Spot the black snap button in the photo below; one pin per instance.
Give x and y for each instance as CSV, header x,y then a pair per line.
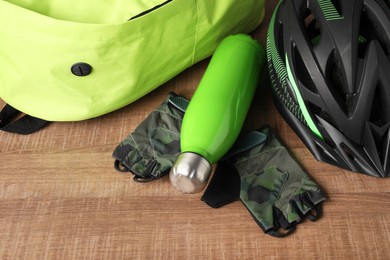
x,y
81,69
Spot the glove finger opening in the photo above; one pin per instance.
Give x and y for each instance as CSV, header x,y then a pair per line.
x,y
143,170
308,205
281,232
120,167
280,220
141,179
316,209
282,227
315,213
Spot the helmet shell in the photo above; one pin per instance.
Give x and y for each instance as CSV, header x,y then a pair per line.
x,y
329,64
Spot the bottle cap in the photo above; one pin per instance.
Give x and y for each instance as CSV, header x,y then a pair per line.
x,y
190,172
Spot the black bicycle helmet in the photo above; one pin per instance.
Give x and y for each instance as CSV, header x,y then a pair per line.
x,y
329,63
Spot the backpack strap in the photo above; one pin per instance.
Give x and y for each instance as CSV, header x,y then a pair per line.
x,y
24,125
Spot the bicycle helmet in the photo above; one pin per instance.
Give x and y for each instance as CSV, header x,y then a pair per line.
x,y
329,63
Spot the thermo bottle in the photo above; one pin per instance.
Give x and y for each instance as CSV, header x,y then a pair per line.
x,y
217,110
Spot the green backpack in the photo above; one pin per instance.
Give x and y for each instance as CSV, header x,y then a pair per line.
x,y
73,60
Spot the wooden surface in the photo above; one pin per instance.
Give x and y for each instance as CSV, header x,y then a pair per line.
x,y
60,197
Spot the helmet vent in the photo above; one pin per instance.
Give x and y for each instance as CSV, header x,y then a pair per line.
x,y
371,29
347,151
326,156
364,36
280,41
387,2
377,143
380,108
302,73
335,80
312,28
362,47
316,110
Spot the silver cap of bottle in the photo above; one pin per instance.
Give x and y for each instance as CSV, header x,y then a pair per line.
x,y
190,173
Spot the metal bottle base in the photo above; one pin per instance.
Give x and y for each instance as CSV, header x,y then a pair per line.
x,y
190,173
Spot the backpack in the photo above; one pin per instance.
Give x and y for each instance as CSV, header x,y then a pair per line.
x,y
74,60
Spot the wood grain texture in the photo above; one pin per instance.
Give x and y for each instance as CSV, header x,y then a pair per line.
x,y
60,197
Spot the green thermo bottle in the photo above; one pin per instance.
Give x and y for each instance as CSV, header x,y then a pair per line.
x,y
217,110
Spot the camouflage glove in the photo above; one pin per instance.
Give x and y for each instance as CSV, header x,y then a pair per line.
x,y
153,147
273,187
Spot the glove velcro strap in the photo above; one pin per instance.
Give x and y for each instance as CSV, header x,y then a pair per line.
x,y
224,186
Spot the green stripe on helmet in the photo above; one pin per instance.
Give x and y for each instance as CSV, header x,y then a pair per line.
x,y
301,102
278,73
329,10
